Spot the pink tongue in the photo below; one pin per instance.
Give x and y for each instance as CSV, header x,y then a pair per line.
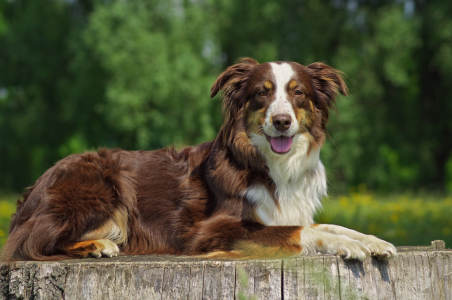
x,y
281,144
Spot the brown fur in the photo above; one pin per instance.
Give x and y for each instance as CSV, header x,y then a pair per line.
x,y
168,202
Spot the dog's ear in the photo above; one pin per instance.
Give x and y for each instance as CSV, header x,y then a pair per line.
x,y
233,78
327,83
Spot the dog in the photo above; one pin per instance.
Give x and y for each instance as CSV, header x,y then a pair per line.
x,y
250,193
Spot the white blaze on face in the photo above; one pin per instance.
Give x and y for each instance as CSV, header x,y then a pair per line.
x,y
282,74
281,142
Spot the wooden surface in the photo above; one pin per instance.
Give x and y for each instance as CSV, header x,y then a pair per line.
x,y
418,273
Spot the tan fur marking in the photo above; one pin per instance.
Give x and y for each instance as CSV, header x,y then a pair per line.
x,y
95,248
86,244
254,250
319,243
268,85
295,237
325,228
250,250
83,249
302,118
293,84
241,140
224,254
255,120
312,114
114,229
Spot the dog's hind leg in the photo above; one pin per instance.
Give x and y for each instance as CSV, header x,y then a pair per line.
x,y
103,241
95,248
82,198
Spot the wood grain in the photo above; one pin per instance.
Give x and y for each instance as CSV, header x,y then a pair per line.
x,y
415,274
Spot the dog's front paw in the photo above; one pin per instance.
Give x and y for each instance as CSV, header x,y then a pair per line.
x,y
379,248
346,247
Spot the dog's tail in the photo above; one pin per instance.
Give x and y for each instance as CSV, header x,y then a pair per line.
x,y
30,242
30,235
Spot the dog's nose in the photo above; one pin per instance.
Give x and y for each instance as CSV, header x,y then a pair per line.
x,y
282,122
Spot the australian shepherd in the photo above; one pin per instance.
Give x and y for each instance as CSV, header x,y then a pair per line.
x,y
252,192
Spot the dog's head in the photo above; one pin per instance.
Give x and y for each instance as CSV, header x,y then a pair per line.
x,y
276,103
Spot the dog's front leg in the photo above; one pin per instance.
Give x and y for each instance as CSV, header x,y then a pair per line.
x,y
378,247
316,241
226,236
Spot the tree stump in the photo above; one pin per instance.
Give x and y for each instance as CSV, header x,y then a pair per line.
x,y
417,273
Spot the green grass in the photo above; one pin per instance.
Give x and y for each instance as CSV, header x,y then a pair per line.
x,y
7,208
403,220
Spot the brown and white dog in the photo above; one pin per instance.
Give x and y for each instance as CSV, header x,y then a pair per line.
x,y
252,192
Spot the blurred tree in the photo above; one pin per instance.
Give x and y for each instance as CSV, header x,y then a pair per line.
x,y
159,71
382,74
136,74
33,60
304,31
78,75
398,70
435,97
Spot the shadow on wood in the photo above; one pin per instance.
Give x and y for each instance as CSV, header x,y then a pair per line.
x,y
418,273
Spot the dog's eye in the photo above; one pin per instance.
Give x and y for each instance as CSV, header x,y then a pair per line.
x,y
262,93
298,93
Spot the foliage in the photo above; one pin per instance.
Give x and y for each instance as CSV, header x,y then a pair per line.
x,y
7,208
159,79
404,220
77,75
99,77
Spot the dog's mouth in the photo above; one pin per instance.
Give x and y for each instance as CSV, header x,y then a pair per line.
x,y
280,144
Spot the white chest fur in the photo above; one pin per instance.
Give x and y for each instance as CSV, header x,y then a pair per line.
x,y
300,184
